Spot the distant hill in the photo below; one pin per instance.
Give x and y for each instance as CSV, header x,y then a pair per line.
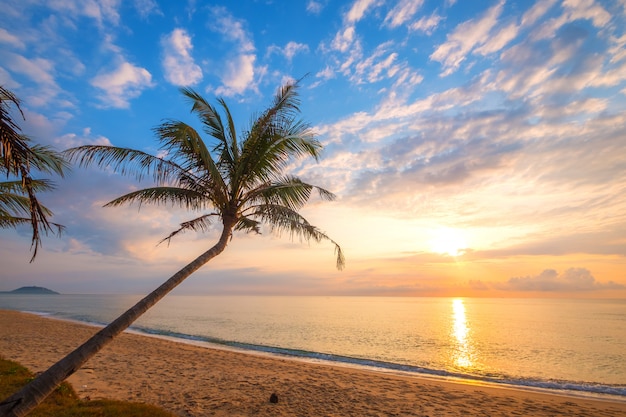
x,y
31,290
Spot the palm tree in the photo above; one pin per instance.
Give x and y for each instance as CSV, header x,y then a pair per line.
x,y
18,159
239,182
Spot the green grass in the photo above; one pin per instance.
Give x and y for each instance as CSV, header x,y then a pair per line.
x,y
64,402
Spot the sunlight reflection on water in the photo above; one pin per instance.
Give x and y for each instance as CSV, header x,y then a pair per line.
x,y
461,332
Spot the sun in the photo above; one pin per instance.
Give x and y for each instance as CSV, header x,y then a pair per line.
x,y
447,241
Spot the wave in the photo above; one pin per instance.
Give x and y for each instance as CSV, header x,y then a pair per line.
x,y
616,392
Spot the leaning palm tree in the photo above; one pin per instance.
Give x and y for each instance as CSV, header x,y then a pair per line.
x,y
238,183
18,160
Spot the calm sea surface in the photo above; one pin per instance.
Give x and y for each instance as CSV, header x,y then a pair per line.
x,y
573,345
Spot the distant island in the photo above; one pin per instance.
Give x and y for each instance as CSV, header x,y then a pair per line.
x,y
30,290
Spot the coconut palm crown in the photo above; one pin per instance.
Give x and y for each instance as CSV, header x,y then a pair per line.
x,y
19,160
239,182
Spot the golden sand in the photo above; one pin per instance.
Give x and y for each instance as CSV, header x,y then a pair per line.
x,y
199,381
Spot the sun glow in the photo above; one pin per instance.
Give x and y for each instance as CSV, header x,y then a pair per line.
x,y
451,242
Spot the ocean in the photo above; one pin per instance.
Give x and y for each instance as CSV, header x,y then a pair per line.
x,y
570,346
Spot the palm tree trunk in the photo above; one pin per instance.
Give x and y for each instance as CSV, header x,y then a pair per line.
x,y
23,401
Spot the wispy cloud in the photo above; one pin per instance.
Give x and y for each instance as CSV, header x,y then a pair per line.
x,y
118,86
426,24
402,12
238,72
315,7
290,50
10,39
146,8
359,9
102,12
466,37
179,65
573,279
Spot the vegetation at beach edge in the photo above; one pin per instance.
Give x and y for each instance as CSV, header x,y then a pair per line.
x,y
64,402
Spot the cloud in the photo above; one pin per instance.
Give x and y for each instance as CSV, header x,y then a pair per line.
x,y
467,36
381,64
232,29
180,68
39,70
402,12
121,84
315,7
573,279
359,9
102,12
10,39
426,24
499,40
238,75
290,50
573,10
69,140
344,39
238,72
540,8
325,74
145,8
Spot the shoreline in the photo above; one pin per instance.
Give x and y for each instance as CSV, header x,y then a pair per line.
x,y
546,387
195,379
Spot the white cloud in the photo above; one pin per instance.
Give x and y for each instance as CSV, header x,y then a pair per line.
x,y
402,12
315,7
146,8
359,9
179,66
37,69
426,24
290,50
466,37
103,11
122,84
573,279
586,9
238,75
499,40
540,8
10,39
343,40
70,140
232,29
573,10
376,67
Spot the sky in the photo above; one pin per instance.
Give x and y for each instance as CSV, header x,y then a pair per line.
x,y
476,148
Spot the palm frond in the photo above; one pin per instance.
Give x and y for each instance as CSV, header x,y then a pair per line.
x,y
14,205
289,191
38,185
184,145
125,161
47,160
174,196
283,219
13,145
246,224
199,224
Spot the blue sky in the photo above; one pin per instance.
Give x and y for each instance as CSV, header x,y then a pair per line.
x,y
476,148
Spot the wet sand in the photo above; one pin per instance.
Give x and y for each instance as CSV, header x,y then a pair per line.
x,y
193,380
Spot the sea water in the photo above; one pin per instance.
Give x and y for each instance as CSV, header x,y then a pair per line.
x,y
578,346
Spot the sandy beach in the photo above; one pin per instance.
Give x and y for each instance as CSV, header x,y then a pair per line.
x,y
198,381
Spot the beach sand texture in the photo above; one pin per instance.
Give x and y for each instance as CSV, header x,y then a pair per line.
x,y
197,381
